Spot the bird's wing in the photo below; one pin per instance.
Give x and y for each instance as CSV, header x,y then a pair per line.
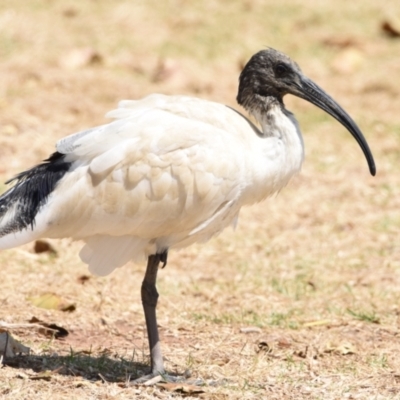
x,y
158,167
154,175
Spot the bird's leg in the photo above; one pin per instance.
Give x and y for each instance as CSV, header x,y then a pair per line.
x,y
149,301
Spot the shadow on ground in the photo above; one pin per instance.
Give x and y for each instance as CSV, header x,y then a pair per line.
x,y
91,367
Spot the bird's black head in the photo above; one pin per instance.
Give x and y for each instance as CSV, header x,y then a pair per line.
x,y
269,75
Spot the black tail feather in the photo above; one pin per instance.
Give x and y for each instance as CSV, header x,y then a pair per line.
x,y
30,193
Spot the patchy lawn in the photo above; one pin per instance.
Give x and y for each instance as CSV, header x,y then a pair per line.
x,y
302,300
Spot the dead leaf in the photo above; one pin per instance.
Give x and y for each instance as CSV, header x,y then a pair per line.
x,y
250,329
284,343
222,361
68,308
343,348
78,58
181,388
346,348
302,353
312,285
10,347
50,329
45,376
83,279
391,28
51,301
41,246
317,323
81,383
61,332
262,345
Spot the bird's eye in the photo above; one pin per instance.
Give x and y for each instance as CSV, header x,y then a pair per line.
x,y
281,69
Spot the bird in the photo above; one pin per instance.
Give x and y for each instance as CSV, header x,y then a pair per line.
x,y
167,172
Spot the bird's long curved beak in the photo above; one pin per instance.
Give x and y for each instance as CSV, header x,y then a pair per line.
x,y
311,92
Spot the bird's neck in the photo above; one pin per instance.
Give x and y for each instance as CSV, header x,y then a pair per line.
x,y
279,154
265,110
276,121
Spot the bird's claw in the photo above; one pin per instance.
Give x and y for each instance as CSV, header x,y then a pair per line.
x,y
155,377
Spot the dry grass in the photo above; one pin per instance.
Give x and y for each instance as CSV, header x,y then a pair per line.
x,y
302,300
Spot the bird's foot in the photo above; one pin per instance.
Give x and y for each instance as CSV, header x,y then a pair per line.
x,y
156,377
149,379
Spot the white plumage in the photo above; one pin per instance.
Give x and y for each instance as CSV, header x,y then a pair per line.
x,y
167,172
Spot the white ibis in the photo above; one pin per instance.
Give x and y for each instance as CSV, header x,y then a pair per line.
x,y
168,172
